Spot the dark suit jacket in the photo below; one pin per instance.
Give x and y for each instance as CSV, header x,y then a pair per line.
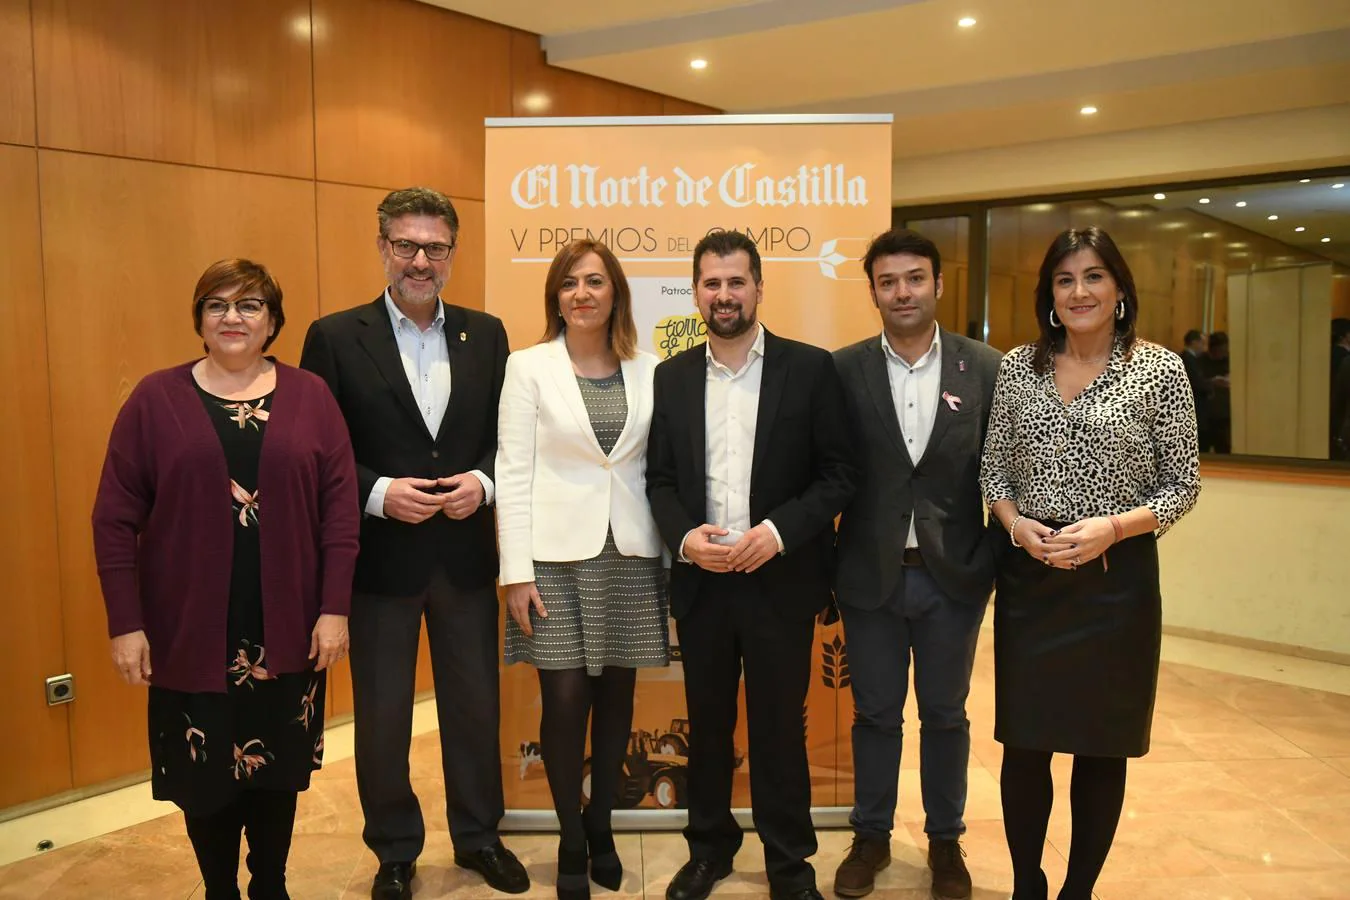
x,y
801,475
942,492
1200,387
356,353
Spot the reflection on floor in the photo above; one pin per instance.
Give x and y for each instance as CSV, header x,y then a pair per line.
x,y
1246,796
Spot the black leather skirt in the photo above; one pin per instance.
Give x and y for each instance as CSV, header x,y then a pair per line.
x,y
1076,651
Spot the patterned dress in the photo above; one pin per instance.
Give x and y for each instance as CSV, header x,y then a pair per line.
x,y
610,610
266,730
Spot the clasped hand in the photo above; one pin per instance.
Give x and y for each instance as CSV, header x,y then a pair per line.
x,y
1068,547
754,548
414,500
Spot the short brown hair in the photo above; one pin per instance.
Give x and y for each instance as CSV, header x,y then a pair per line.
x,y
245,277
622,330
417,201
722,243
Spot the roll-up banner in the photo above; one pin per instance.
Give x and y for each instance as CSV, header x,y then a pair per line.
x,y
811,191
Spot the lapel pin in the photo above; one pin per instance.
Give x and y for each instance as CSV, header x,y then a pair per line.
x,y
960,365
463,336
953,401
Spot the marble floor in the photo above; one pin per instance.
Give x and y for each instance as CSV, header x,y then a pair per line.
x,y
1246,796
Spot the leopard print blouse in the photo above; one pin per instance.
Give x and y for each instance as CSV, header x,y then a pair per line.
x,y
1128,440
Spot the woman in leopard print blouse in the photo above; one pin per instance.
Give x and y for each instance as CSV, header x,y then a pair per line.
x,y
1091,454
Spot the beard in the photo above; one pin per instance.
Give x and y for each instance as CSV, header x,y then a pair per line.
x,y
729,329
417,292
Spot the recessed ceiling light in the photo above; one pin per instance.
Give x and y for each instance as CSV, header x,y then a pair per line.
x,y
1304,180
966,22
1300,228
1210,234
1237,245
1240,203
1089,110
536,101
698,64
1326,240
1338,185
1159,196
1272,218
1204,199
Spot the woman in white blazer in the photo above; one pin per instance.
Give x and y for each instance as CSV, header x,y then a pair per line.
x,y
580,553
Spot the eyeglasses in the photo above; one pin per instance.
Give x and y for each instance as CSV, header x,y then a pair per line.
x,y
408,249
216,308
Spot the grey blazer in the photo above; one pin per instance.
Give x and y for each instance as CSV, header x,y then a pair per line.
x,y
941,492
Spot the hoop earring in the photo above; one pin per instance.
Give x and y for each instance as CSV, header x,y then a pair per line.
x,y
1054,322
1120,311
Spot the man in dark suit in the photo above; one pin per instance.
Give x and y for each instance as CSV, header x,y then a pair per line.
x,y
916,558
1193,358
418,382
748,463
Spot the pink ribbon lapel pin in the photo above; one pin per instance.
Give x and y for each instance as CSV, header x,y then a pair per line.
x,y
960,365
953,401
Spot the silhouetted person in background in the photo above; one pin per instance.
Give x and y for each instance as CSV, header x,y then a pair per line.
x,y
1216,428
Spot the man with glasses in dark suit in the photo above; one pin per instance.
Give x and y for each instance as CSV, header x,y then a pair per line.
x,y
418,381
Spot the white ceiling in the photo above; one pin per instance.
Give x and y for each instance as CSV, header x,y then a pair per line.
x,y
1019,75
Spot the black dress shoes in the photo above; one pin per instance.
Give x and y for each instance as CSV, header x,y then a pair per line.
x,y
393,881
696,879
799,894
498,866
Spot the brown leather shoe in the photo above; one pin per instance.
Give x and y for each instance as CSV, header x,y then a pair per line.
x,y
951,879
856,875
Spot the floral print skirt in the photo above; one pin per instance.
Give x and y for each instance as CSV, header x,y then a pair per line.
x,y
265,732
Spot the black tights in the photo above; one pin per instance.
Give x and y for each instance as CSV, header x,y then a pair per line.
x,y
267,819
1096,795
569,697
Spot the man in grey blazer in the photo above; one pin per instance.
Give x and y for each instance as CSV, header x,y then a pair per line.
x,y
915,556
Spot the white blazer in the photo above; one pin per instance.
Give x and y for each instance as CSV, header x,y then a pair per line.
x,y
557,493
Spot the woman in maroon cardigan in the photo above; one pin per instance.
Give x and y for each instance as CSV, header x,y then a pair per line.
x,y
225,530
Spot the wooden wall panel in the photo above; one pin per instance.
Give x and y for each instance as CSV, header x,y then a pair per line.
x,y
16,73
538,89
128,259
193,81
35,759
673,106
401,90
350,272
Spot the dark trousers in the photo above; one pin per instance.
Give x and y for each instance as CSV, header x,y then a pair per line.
x,y
731,626
462,628
266,819
941,634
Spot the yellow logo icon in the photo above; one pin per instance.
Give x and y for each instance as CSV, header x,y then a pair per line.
x,y
674,334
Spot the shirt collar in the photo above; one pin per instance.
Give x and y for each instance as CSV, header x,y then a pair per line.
x,y
397,318
756,352
932,356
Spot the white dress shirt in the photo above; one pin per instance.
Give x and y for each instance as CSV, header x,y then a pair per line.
x,y
426,362
916,391
731,410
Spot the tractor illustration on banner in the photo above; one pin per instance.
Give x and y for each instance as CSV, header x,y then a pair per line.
x,y
654,766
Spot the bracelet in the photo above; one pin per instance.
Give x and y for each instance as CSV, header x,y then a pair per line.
x,y
1012,531
1118,529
